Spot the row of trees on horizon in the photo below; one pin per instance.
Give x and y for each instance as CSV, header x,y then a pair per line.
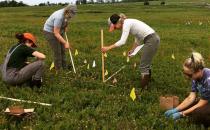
x,y
13,3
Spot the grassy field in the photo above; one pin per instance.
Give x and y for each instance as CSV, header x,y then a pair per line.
x,y
82,101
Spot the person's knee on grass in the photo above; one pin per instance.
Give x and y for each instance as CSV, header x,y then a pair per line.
x,y
16,70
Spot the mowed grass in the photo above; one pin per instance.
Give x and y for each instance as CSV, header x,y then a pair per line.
x,y
82,101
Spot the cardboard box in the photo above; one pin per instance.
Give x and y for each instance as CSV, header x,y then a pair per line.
x,y
168,102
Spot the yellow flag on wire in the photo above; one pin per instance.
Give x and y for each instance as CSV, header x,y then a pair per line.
x,y
105,55
133,94
106,73
88,66
76,52
128,59
52,65
173,57
124,53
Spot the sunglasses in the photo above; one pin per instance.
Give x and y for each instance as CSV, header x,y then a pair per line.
x,y
188,75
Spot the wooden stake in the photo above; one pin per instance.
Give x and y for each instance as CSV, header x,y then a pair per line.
x,y
102,57
72,62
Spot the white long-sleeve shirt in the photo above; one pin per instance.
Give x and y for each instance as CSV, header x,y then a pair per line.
x,y
135,27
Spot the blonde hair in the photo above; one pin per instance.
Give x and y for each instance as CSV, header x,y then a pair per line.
x,y
122,17
195,62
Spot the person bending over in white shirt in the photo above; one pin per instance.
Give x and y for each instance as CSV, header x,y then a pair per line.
x,y
141,32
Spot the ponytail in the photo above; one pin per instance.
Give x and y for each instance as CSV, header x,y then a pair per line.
x,y
122,17
195,62
20,37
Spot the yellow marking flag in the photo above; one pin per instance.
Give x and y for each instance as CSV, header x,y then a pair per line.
x,y
52,65
124,53
85,61
76,52
88,66
134,65
106,73
173,57
128,59
105,55
133,94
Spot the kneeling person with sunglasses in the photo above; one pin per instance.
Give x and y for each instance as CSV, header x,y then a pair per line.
x,y
197,110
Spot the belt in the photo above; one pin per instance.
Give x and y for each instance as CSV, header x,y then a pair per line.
x,y
149,36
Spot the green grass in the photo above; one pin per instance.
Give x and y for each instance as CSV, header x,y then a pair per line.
x,y
82,101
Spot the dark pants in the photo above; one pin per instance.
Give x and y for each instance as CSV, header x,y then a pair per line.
x,y
200,116
34,71
58,50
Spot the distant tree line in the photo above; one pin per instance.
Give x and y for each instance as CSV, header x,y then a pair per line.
x,y
52,4
95,1
111,1
11,3
136,0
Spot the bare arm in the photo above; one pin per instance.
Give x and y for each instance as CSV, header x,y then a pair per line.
x,y
187,102
133,48
107,48
59,37
125,33
135,45
117,44
199,104
39,55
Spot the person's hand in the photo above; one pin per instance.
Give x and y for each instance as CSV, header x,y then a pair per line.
x,y
66,45
177,115
104,49
130,52
170,112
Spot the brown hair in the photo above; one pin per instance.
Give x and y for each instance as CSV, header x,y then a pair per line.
x,y
20,38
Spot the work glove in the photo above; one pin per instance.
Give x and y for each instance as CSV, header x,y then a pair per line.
x,y
170,112
177,115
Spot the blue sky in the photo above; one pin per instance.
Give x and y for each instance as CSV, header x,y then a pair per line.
x,y
35,2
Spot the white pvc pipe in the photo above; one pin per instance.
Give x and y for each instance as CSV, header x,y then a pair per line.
x,y
72,61
27,101
115,73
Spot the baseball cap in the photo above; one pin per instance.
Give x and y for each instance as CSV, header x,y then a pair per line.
x,y
31,37
72,9
112,21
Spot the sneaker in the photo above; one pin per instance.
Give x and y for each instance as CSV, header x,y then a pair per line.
x,y
37,83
